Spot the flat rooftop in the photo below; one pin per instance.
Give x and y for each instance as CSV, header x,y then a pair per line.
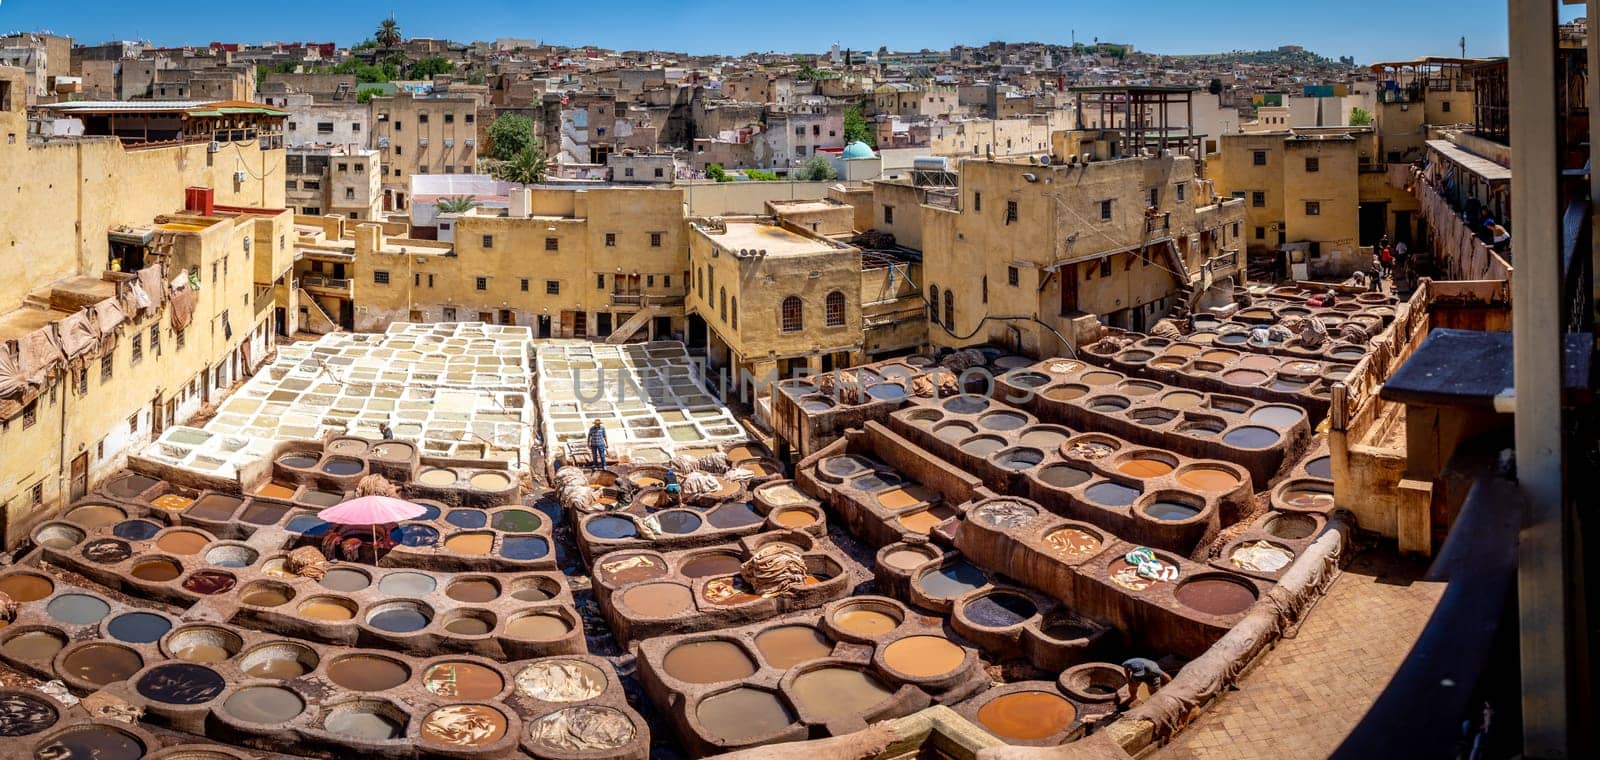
x,y
774,240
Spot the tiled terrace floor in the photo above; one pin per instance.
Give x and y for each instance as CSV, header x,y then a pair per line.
x,y
1308,692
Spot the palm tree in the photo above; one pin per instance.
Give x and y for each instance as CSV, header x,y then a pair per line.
x,y
388,34
457,204
527,167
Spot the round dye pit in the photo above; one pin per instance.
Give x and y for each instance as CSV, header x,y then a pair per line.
x,y
330,609
1063,475
924,656
1306,497
95,741
136,530
537,627
1215,595
101,664
343,466
867,620
561,681
712,661
416,535
1027,715
309,525
464,726
1028,379
469,544
1066,625
952,581
1245,377
794,518
266,594
951,432
925,520
232,555
1003,514
281,660
1020,458
107,551
1279,417
399,617
26,587
1044,438
845,466
1073,543
788,645
907,559
180,683
366,721
95,516
1100,377
182,542
1002,421
404,584
58,535
1108,404
622,569
209,582
298,461
437,477
1321,467
734,515
678,521
611,527
472,590
534,589
204,644
1202,478
1146,467
515,521
40,646
77,609
470,622
264,705
1111,494
966,404
23,715
490,481
743,714
887,391
463,680
1182,400
999,610
982,446
1067,392
585,728
1251,437
317,498
138,627
1167,510
1139,388
467,518
1291,526
368,673
710,564
829,693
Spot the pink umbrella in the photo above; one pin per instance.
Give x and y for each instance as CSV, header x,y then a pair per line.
x,y
374,511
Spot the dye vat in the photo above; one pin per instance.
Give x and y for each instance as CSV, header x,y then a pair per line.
x,y
136,530
471,623
1072,544
611,527
1066,392
966,404
659,600
1251,437
1215,595
999,610
298,461
463,680
712,661
180,683
734,515
924,521
266,594
466,518
561,681
537,627
101,664
1321,467
171,502
138,627
95,516
107,551
366,721
1291,526
515,521
788,645
952,581
464,726
264,705
327,609
582,729
1027,715
58,535
1307,498
156,570
343,467
274,490
1063,475
794,518
399,617
416,535
490,481
866,621
263,513
318,498
1111,494
23,715
1182,400
1167,510
622,569
1019,458
473,590
91,742
829,693
743,714
204,644
279,661
1278,417
437,477
677,521
982,446
1002,421
130,485
906,496
77,609
924,656
470,544
209,582
1145,467
367,673
710,564
405,584
182,542
1003,514
34,646
26,587
906,559
1214,479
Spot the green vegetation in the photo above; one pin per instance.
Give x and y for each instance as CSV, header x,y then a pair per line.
x,y
855,126
716,172
475,77
818,169
760,175
277,68
370,73
388,34
365,94
367,44
1215,87
1360,117
457,204
806,73
509,135
428,68
527,167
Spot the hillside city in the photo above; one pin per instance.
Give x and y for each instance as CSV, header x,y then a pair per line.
x,y
1083,401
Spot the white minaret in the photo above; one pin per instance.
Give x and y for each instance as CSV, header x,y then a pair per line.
x,y
836,54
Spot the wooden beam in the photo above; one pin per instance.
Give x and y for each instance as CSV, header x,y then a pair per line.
x,y
1537,354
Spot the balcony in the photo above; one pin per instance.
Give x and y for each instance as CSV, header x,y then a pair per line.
x,y
336,286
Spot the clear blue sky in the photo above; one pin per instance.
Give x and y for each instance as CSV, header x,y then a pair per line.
x,y
1367,29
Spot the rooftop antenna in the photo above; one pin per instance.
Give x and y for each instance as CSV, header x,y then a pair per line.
x,y
1463,44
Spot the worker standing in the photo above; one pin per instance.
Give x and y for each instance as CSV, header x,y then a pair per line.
x,y
1141,670
597,444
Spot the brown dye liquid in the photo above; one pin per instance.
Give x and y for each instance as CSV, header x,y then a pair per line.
x,y
898,498
790,645
1308,499
794,518
1027,715
26,587
95,516
341,579
743,714
470,544
275,491
1100,378
171,502
532,593
215,507
622,569
829,693
363,673
924,656
265,597
326,609
659,600
474,591
489,481
182,542
1182,400
464,726
281,668
101,664
926,520
707,565
463,680
33,645
864,622
1208,479
1144,468
711,661
1215,596
468,626
266,705
538,628
156,570
203,653
906,559
437,477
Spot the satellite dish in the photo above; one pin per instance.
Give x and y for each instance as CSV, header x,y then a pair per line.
x,y
1044,160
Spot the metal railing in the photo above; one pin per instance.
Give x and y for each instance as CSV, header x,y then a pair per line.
x,y
328,283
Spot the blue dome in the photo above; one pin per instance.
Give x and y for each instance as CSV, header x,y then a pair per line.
x,y
857,149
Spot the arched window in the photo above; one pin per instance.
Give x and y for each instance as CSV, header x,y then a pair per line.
x,y
722,296
933,304
949,309
793,317
735,318
835,309
711,280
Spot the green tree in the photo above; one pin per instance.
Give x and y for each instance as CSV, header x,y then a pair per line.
x,y
806,73
370,73
716,172
855,126
760,175
1215,88
430,67
509,135
527,167
388,33
456,204
1360,117
818,169
475,77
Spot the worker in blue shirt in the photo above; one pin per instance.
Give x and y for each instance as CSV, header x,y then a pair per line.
x,y
1141,670
597,444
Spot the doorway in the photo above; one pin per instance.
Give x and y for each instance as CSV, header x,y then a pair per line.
x,y
158,418
80,477
662,330
1372,218
544,325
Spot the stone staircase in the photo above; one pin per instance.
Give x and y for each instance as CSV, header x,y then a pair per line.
x,y
631,327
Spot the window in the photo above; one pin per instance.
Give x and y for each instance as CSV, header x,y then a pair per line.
x,y
655,240
83,377
37,494
649,280
1313,208
469,118
355,126
1011,211
449,314
449,118
1258,198
155,339
722,303
488,241
133,423
888,214
416,280
834,311
177,339
30,414
138,348
1179,190
1261,233
1313,163
380,277
422,118
600,281
1259,158
984,288
611,240
949,309
324,127
800,131
933,304
793,318
344,167
552,288
977,201
1105,211
552,244
666,280
700,282
1445,106
1155,196
733,318
524,285
1236,230
1105,267
227,326
481,283
659,172
1012,276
